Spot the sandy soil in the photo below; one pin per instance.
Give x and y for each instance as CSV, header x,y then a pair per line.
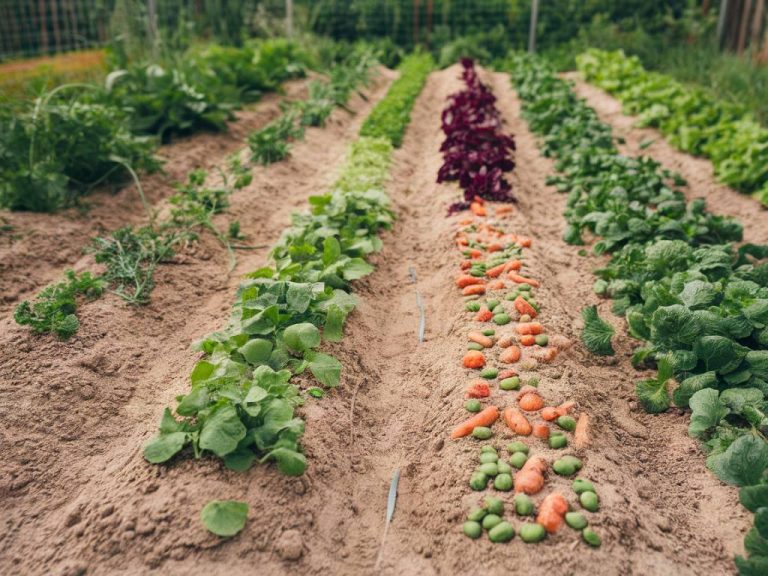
x,y
37,246
77,498
76,493
699,173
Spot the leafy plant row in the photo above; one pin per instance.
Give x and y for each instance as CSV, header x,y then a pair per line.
x,y
476,152
699,302
693,119
131,255
79,136
241,407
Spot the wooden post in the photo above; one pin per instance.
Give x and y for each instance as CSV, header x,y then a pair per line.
x,y
43,21
742,41
152,25
757,26
532,30
430,8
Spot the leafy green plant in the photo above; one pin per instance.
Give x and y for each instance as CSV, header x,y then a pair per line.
x,y
597,333
272,143
692,119
53,310
60,148
131,257
241,406
224,517
699,304
386,120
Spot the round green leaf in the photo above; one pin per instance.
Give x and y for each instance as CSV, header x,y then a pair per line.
x,y
224,517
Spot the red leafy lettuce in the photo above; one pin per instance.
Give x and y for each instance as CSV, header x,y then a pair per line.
x,y
476,152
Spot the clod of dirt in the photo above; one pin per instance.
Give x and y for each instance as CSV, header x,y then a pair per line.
x,y
290,545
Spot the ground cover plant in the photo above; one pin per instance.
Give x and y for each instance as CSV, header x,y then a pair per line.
x,y
691,118
242,403
695,299
476,152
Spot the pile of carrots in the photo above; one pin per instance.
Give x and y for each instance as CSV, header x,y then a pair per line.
x,y
499,292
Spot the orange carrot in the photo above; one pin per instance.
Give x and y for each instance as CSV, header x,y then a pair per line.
x,y
508,373
541,431
462,241
549,413
485,418
496,271
510,355
522,306
581,437
547,355
530,328
527,339
484,315
465,221
565,408
496,285
466,264
525,242
516,422
494,247
523,280
503,210
530,479
552,512
474,359
466,280
513,265
481,339
530,402
505,341
473,289
475,254
478,389
478,209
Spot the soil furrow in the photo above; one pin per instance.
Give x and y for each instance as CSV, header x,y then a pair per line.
x,y
77,495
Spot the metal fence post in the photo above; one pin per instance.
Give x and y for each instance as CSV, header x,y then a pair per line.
x,y
532,31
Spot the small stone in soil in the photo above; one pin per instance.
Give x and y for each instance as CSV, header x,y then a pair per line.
x,y
290,545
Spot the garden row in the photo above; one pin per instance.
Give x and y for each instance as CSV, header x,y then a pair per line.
x,y
79,136
241,406
506,341
130,255
698,302
692,119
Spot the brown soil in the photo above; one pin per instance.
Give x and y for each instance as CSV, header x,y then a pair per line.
x,y
78,498
37,246
699,173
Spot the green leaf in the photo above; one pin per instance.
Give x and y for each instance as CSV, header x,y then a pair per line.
x,y
653,394
222,431
302,337
256,351
240,460
743,463
331,251
698,294
299,297
755,544
289,462
193,402
224,517
263,322
754,497
761,521
737,398
325,368
752,566
691,385
163,447
168,423
597,333
201,372
356,268
719,353
333,331
707,412
758,363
